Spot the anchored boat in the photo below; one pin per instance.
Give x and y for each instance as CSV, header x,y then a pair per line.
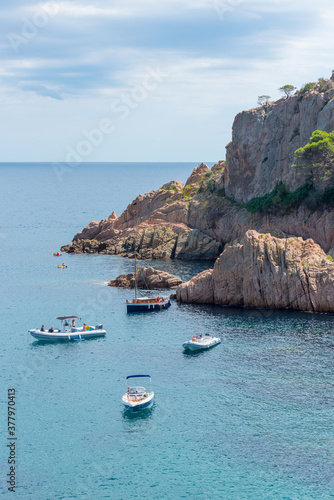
x,y
67,331
145,304
201,342
137,398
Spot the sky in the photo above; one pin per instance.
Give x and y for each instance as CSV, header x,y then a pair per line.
x,y
148,80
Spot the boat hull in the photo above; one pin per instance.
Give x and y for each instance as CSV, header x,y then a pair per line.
x,y
200,346
150,307
54,336
139,405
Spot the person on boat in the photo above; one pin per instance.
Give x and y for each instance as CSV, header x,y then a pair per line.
x,y
42,328
194,339
84,327
51,329
63,264
73,323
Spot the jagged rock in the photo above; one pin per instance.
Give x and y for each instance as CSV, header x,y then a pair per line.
x,y
112,216
149,243
147,278
278,233
84,246
196,245
197,174
173,185
157,242
220,166
266,272
264,140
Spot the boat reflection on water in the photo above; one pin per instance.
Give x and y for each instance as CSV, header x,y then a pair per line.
x,y
193,354
138,415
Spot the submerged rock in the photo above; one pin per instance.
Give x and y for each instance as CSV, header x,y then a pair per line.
x,y
260,270
147,278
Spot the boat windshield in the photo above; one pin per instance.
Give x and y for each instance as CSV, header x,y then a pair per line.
x,y
136,390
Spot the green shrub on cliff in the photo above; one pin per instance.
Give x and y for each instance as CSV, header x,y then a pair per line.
x,y
317,156
307,87
327,196
208,183
279,199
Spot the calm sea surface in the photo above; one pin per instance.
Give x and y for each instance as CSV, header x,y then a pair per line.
x,y
250,419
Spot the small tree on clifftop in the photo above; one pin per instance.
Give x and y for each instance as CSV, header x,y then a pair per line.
x,y
262,100
287,90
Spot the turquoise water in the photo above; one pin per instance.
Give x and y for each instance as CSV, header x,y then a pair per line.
x,y
250,419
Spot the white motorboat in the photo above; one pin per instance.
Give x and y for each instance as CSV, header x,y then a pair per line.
x,y
67,331
137,398
200,342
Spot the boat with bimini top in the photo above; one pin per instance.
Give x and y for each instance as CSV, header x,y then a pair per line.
x,y
137,398
68,331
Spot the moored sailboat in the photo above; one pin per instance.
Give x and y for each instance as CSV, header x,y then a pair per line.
x,y
145,304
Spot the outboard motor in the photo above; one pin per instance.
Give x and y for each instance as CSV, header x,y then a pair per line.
x,y
99,327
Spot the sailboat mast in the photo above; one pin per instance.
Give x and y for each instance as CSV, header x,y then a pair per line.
x,y
135,279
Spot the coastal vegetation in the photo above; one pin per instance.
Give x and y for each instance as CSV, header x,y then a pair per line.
x,y
279,199
287,90
317,156
307,87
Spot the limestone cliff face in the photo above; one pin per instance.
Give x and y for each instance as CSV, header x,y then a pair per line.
x,y
264,141
264,271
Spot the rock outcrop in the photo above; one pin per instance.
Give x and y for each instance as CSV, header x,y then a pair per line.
x,y
154,225
153,242
264,141
260,270
148,278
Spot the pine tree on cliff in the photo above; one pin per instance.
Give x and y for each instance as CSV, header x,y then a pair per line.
x,y
317,156
287,90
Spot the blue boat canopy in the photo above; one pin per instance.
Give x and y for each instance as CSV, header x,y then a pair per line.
x,y
67,317
134,376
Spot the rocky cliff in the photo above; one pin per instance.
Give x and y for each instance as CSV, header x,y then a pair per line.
x,y
155,226
264,141
196,220
265,271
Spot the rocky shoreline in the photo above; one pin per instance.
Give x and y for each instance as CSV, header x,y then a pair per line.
x,y
260,270
207,218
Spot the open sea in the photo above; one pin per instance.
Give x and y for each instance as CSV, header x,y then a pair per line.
x,y
250,419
